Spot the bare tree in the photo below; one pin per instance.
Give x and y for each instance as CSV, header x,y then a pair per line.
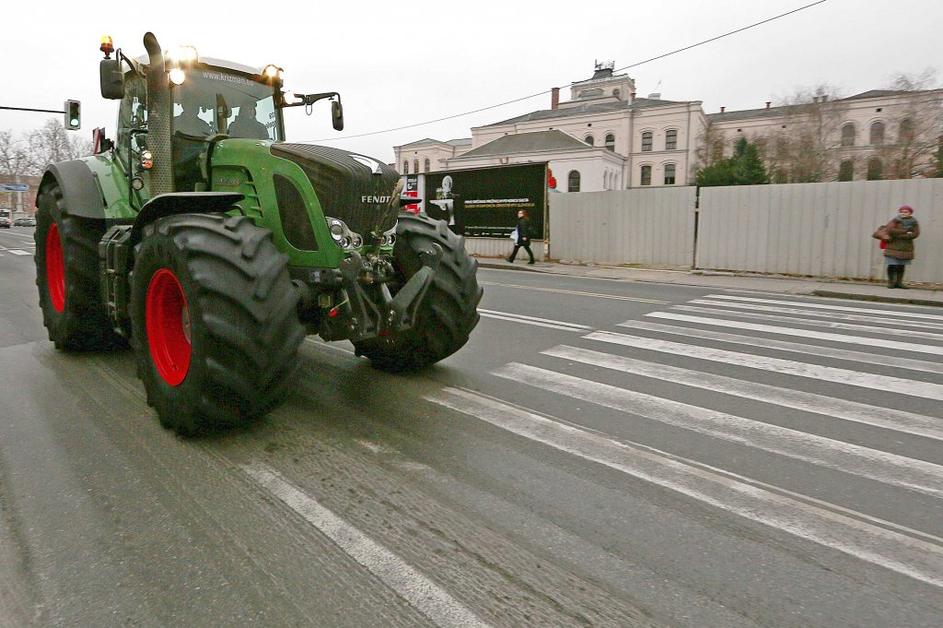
x,y
52,143
801,151
918,117
14,158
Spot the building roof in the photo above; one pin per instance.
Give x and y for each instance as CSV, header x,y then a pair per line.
x,y
459,141
773,112
528,142
587,108
876,93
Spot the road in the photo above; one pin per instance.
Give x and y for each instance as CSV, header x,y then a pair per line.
x,y
602,453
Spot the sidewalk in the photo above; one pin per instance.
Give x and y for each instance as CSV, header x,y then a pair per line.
x,y
860,290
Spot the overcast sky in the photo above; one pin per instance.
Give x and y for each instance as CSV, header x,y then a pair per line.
x,y
398,63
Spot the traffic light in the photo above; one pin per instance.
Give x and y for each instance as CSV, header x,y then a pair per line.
x,y
73,115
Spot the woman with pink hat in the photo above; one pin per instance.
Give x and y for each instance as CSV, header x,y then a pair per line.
x,y
902,230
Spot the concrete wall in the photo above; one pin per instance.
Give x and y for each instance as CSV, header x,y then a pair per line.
x,y
651,227
501,247
817,229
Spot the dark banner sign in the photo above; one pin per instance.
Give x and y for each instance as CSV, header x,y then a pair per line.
x,y
483,202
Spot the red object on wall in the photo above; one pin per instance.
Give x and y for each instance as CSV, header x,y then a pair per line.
x,y
551,180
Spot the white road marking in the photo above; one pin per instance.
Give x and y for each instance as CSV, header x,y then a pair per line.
x,y
803,321
430,599
533,320
886,320
579,293
887,418
884,383
916,475
18,252
793,347
843,308
804,333
916,558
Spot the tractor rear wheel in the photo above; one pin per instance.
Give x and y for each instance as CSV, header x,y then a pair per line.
x,y
448,312
214,320
67,276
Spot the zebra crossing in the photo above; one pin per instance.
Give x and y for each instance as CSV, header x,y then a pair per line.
x,y
837,363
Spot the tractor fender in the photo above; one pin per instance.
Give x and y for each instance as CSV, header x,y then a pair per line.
x,y
81,195
182,203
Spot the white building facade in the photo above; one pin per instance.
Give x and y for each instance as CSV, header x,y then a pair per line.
x,y
622,141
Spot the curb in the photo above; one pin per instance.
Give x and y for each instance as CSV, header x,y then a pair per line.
x,y
876,298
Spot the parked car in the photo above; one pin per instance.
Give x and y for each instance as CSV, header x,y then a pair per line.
x,y
5,222
24,222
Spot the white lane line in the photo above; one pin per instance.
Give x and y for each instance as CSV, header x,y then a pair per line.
x,y
793,347
887,418
533,320
900,471
884,383
891,550
842,308
804,321
579,293
431,600
804,333
886,320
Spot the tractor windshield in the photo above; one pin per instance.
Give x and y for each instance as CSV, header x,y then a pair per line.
x,y
214,101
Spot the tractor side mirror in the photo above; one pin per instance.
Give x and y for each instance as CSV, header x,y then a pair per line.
x,y
337,114
112,80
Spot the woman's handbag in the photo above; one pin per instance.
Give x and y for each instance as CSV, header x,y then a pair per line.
x,y
882,234
513,235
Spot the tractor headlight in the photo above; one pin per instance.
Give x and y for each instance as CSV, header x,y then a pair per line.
x,y
389,237
183,55
342,235
177,76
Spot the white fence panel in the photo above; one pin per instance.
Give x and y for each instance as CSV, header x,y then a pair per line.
x,y
501,247
817,229
651,227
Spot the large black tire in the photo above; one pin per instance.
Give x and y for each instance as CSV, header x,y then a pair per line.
x,y
214,320
449,311
67,276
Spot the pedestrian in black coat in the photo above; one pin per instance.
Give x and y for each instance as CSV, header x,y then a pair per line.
x,y
523,236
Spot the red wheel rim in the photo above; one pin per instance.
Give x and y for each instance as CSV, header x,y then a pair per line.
x,y
167,320
55,269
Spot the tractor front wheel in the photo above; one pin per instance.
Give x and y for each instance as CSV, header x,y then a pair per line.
x,y
214,320
448,312
67,276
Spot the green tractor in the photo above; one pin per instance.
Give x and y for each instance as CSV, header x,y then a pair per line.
x,y
213,246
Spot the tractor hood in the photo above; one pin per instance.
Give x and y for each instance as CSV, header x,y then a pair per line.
x,y
349,186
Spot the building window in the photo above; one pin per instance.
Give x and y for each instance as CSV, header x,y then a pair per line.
x,y
848,134
646,175
846,171
669,174
875,169
905,133
671,139
405,167
877,133
617,93
589,140
573,181
611,142
416,166
426,165
646,141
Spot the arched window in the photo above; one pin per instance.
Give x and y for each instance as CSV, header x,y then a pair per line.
x,y
426,165
646,141
416,166
848,134
846,171
405,167
671,139
573,181
875,169
611,142
669,174
905,133
589,140
877,133
646,175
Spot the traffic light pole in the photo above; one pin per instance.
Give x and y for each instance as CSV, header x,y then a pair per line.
x,y
30,109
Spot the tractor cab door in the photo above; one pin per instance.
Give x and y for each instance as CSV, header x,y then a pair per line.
x,y
131,138
195,120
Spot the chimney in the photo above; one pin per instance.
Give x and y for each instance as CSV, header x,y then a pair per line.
x,y
768,102
555,98
722,109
